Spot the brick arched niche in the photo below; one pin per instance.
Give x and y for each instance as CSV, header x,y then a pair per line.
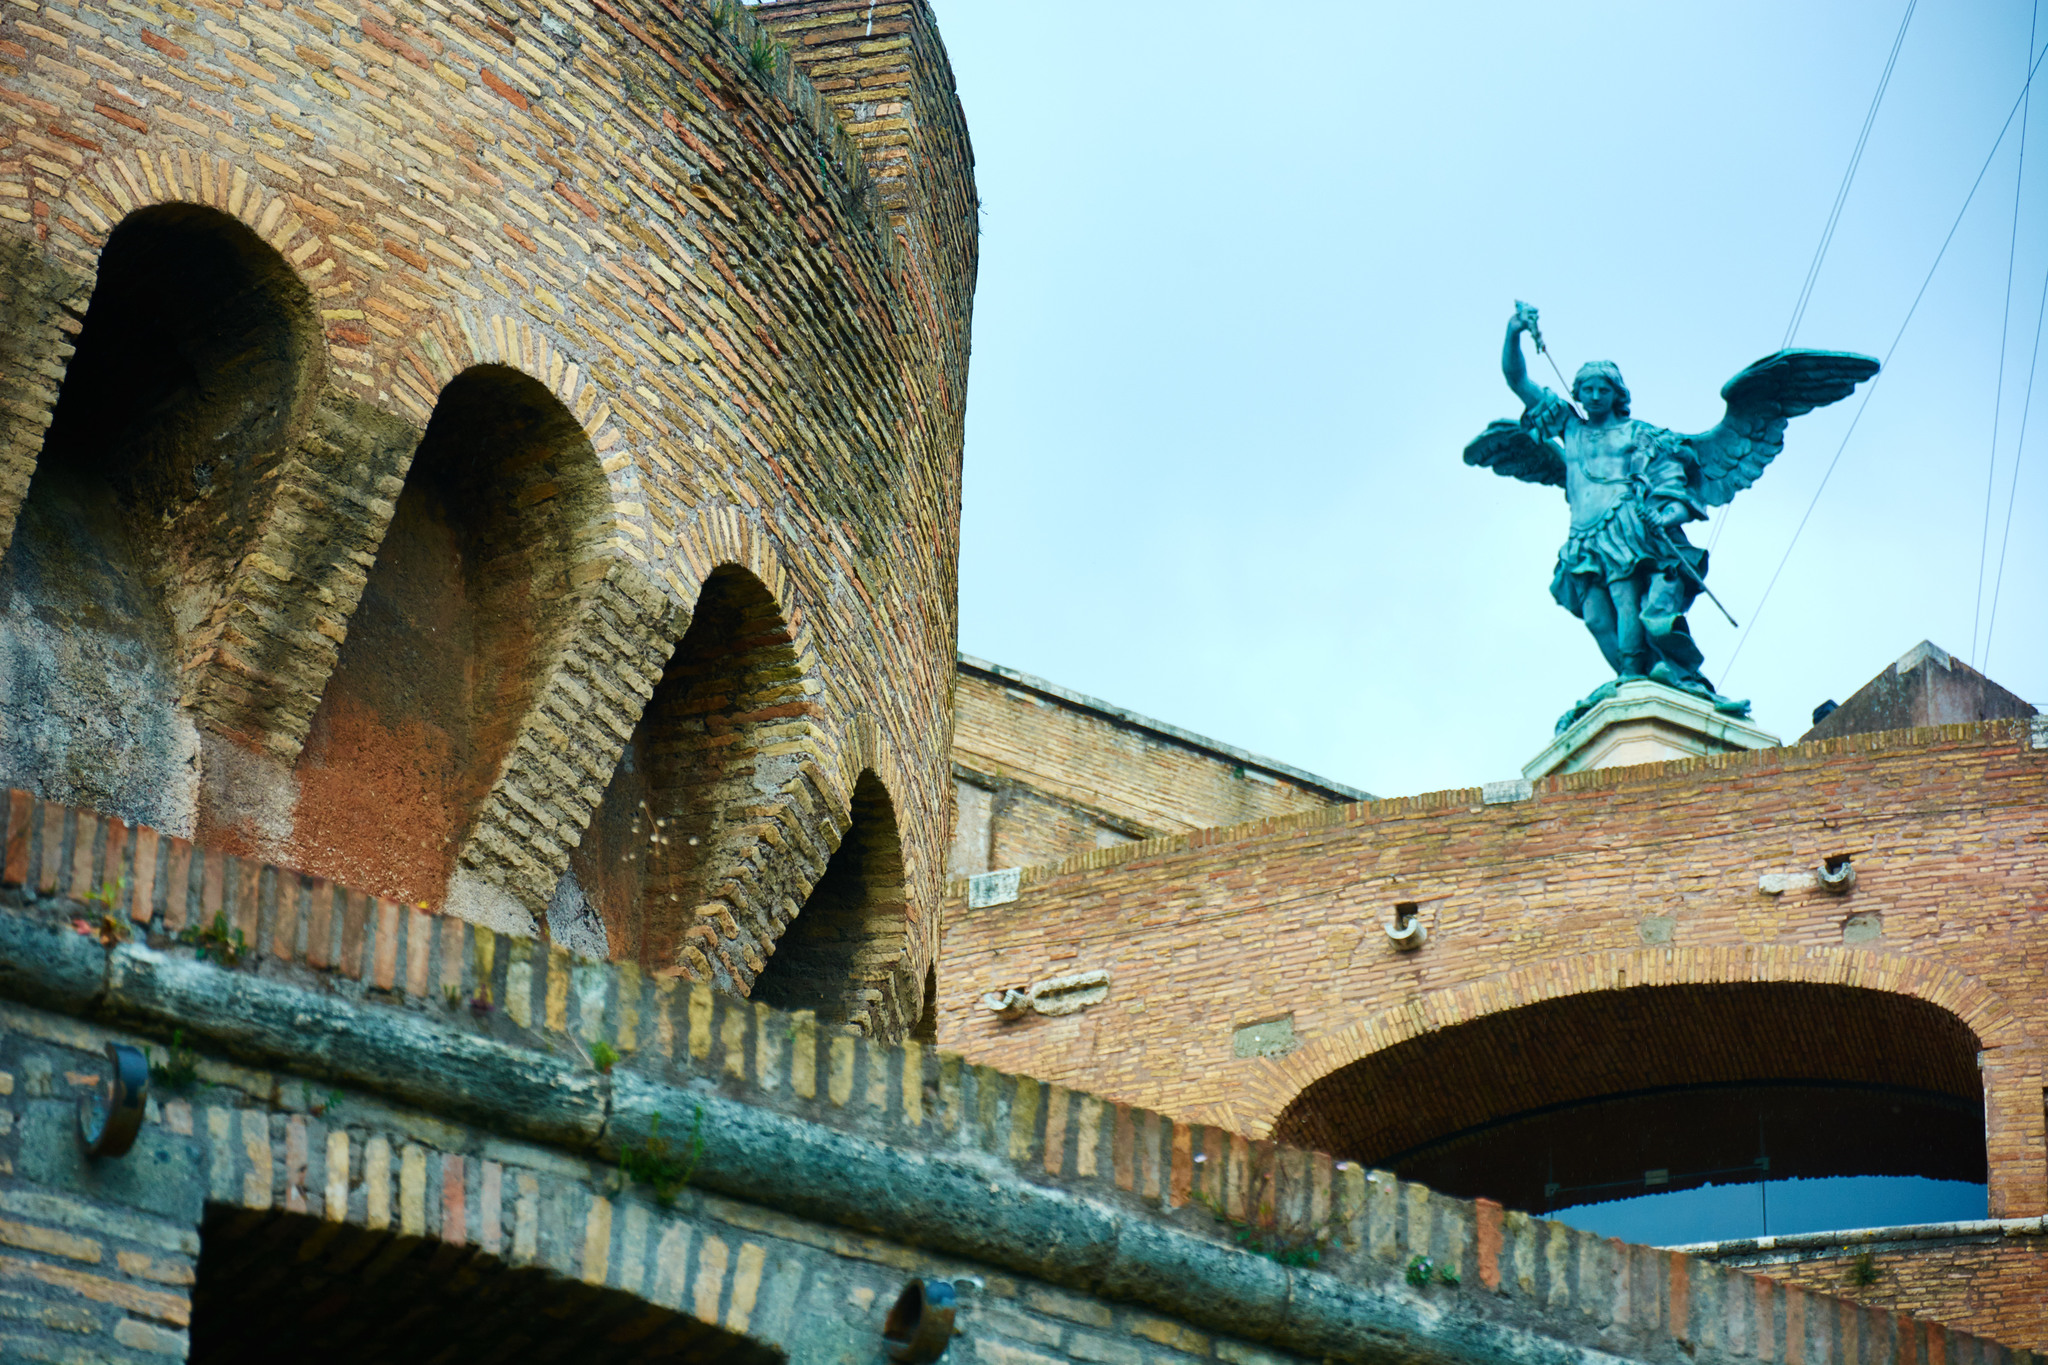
x,y
476,591
723,849
717,819
1531,1105
197,365
845,955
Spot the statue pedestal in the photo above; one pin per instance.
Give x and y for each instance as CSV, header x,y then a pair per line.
x,y
1645,722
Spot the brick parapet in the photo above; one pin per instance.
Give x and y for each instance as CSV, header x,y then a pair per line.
x,y
1533,900
472,1027
883,67
1068,772
1992,1275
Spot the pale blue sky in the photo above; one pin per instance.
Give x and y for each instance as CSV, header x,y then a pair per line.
x,y
1244,274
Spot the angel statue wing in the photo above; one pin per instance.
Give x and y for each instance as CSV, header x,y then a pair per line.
x,y
1512,451
1761,400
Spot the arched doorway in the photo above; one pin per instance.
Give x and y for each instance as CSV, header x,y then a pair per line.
x,y
1650,1092
199,359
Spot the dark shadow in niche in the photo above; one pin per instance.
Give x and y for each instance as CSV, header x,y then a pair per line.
x,y
837,957
198,359
339,1294
927,1030
467,607
1649,1090
675,866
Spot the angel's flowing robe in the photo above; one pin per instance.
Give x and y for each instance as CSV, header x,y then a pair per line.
x,y
1615,477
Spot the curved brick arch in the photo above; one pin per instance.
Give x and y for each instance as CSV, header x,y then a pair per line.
x,y
839,957
742,789
102,191
2010,1060
1276,1083
461,338
491,669
901,981
177,443
708,840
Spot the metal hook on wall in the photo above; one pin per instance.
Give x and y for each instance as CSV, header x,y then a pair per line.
x,y
920,1326
108,1128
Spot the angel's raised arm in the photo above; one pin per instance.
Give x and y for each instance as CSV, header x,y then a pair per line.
x,y
1513,367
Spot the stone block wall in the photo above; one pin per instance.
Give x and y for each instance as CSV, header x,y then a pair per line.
x,y
1044,773
435,1093
648,212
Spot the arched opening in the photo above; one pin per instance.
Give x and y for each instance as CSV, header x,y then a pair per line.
x,y
839,956
339,1294
469,603
1713,1111
927,1028
198,359
678,867
715,852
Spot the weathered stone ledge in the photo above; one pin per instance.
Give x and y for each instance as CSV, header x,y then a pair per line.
x,y
920,1148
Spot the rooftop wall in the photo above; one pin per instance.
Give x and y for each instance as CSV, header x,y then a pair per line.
x,y
1588,887
1045,773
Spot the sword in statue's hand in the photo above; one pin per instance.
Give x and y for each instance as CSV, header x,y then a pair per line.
x,y
1678,562
1536,335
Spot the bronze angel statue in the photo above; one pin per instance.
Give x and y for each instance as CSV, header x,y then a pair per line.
x,y
1627,569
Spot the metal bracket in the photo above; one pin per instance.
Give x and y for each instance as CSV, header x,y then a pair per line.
x,y
108,1128
920,1326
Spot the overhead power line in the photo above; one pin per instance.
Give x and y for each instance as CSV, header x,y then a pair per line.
x,y
1827,232
2012,491
2004,329
1871,389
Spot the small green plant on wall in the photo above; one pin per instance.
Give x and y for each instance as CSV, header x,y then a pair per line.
x,y
1422,1272
216,941
179,1068
1863,1271
1264,1236
764,54
657,1163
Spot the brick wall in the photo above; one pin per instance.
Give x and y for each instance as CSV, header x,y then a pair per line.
x,y
1045,773
1600,884
755,318
432,1092
1993,1277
